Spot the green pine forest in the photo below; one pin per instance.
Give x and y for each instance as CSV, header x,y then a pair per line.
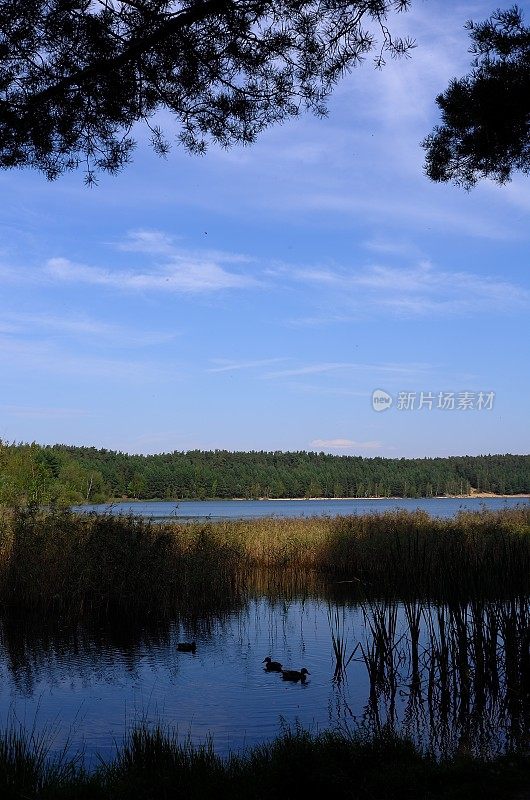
x,y
31,473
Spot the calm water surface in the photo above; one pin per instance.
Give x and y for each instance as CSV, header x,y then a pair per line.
x,y
251,509
451,677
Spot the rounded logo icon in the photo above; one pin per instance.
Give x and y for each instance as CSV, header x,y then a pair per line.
x,y
381,400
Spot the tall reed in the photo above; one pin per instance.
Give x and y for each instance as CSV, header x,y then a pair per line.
x,y
459,672
87,563
339,641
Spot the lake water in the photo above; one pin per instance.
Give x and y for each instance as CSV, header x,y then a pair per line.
x,y
252,509
453,678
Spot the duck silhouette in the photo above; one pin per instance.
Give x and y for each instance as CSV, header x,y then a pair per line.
x,y
295,675
272,666
186,647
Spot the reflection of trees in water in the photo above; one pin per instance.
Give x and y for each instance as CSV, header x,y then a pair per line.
x,y
456,677
105,648
96,650
35,652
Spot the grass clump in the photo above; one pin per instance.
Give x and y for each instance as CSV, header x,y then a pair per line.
x,y
28,769
153,765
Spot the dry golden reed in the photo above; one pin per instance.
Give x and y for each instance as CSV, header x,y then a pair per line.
x,y
56,559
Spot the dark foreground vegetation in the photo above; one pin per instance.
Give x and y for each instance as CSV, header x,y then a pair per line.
x,y
31,473
80,564
153,764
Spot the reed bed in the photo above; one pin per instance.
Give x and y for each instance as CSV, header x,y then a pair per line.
x,y
456,675
85,563
339,641
153,764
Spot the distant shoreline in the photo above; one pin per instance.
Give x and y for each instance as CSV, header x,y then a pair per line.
x,y
475,495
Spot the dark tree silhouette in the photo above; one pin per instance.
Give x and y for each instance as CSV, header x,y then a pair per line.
x,y
75,77
486,115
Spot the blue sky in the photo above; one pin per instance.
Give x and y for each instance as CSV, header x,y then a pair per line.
x,y
254,298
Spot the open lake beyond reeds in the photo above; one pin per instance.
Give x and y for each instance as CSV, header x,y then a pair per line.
x,y
256,509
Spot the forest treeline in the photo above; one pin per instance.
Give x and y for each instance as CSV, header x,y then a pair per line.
x,y
68,474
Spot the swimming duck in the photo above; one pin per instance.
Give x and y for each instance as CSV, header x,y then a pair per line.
x,y
272,666
186,647
294,675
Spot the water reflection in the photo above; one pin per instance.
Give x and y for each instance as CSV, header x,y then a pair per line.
x,y
455,677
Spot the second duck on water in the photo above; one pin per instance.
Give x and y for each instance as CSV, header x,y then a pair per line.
x,y
186,647
272,666
294,675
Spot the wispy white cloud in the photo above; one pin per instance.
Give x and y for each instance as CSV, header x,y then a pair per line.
x,y
8,327
43,412
347,291
165,441
417,290
12,274
156,242
319,320
412,213
345,444
330,391
167,267
227,365
47,357
346,367
397,247
180,273
148,241
80,326
309,369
